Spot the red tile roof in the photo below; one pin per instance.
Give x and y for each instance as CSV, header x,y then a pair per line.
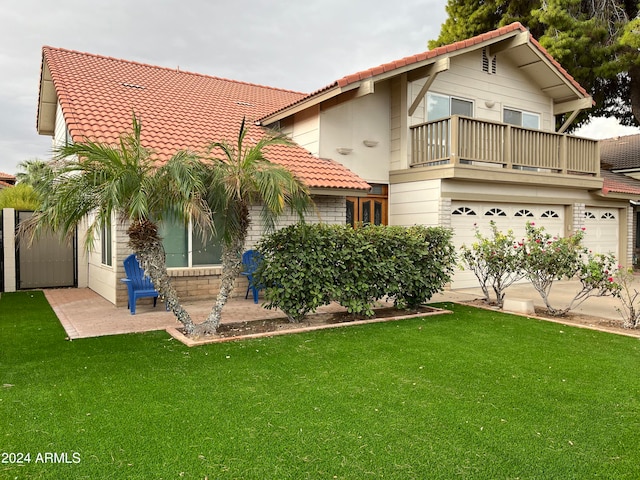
x,y
7,180
178,110
619,183
446,49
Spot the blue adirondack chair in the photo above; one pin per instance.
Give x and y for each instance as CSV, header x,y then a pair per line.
x,y
250,261
138,284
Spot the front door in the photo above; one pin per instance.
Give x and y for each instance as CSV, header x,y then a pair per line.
x,y
371,209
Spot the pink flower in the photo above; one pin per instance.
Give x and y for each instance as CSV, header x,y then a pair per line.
x,y
583,229
610,279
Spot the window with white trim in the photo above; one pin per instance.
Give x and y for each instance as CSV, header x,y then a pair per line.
x,y
521,118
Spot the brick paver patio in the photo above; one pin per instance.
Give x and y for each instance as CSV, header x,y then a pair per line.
x,y
83,313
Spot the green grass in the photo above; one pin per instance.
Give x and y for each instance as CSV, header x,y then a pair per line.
x,y
476,394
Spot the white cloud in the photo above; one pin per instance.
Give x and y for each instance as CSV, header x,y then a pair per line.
x,y
605,127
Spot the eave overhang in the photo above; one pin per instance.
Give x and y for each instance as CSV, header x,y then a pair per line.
x,y
47,102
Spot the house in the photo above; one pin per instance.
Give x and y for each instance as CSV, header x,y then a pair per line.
x,y
455,137
620,160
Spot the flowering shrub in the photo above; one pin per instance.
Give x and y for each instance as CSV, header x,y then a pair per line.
x,y
546,259
629,296
494,260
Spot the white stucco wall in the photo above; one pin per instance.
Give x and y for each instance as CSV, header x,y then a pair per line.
x,y
349,124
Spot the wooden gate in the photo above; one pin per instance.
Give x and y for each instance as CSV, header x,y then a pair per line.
x,y
48,262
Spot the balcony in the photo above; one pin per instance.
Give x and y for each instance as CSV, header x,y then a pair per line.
x,y
462,141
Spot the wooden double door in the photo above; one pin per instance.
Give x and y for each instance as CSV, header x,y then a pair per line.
x,y
366,210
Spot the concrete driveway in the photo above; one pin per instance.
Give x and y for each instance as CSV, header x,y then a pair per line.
x,y
562,292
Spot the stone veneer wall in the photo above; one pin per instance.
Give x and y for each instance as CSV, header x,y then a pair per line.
x,y
203,283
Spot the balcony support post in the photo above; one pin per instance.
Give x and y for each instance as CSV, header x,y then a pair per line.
x,y
507,152
563,154
454,140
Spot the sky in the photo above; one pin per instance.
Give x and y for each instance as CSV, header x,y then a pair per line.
x,y
296,45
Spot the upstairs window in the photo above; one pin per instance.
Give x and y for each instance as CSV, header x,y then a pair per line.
x,y
520,118
442,106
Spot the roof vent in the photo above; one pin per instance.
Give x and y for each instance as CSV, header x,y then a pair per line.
x,y
132,85
489,67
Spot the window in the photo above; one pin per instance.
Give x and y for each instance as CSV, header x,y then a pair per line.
x,y
105,241
495,212
463,211
520,118
524,213
184,248
442,106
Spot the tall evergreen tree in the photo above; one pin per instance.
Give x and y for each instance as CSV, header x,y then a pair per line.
x,y
597,41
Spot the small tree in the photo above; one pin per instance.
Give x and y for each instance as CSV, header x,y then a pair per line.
x,y
495,261
242,177
546,259
102,180
629,297
21,197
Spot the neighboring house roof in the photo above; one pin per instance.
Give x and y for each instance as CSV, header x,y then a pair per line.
x,y
178,110
541,67
621,153
7,180
619,183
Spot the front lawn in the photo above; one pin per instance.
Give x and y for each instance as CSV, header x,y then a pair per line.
x,y
475,394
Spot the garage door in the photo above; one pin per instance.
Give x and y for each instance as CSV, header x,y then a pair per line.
x,y
601,230
465,215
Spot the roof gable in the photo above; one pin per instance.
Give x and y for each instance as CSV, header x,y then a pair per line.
x,y
525,51
178,110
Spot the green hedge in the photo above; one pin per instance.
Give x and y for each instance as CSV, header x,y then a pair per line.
x,y
307,266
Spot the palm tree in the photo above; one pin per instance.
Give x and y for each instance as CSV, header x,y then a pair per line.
x,y
34,171
240,178
96,180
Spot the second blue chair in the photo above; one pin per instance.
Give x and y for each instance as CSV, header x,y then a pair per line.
x,y
250,261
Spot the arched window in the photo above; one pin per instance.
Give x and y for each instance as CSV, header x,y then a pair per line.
x,y
524,213
495,212
549,214
463,211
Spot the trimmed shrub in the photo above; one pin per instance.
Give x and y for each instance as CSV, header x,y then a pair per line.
x,y
307,266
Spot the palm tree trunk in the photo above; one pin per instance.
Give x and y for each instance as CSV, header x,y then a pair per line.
x,y
231,266
144,240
